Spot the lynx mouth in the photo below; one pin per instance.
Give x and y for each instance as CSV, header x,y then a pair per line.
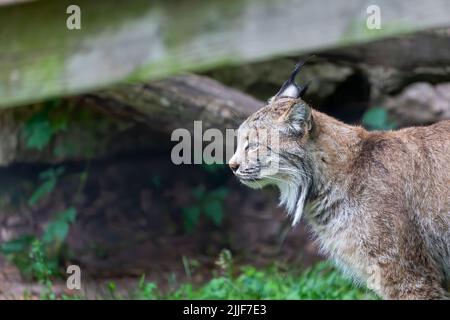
x,y
249,179
253,182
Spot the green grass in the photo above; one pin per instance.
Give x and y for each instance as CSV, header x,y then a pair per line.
x,y
323,281
320,282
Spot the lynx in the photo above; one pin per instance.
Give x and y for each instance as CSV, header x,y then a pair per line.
x,y
378,202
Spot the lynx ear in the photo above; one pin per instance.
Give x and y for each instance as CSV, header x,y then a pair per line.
x,y
299,118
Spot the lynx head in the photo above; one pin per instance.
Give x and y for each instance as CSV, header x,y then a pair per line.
x,y
272,144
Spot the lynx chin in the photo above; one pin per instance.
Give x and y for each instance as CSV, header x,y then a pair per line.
x,y
376,201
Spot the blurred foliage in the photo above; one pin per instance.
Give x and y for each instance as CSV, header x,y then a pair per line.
x,y
145,290
49,179
57,230
38,257
42,269
43,125
207,203
320,282
34,262
377,119
54,117
22,250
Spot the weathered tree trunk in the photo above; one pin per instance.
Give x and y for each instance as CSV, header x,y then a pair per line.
x,y
177,102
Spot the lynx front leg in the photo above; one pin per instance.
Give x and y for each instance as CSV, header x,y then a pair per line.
x,y
401,263
400,280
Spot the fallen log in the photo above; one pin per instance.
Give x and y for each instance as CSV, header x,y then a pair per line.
x,y
177,102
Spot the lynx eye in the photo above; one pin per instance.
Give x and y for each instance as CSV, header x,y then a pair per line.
x,y
251,146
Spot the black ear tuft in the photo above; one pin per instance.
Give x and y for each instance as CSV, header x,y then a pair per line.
x,y
303,90
289,87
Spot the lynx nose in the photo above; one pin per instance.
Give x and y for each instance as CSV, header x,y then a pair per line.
x,y
234,166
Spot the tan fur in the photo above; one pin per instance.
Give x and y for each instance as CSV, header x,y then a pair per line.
x,y
378,202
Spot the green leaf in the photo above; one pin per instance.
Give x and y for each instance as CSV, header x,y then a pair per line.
x,y
68,215
17,245
38,133
44,189
377,119
191,217
42,126
50,178
214,210
51,173
58,229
